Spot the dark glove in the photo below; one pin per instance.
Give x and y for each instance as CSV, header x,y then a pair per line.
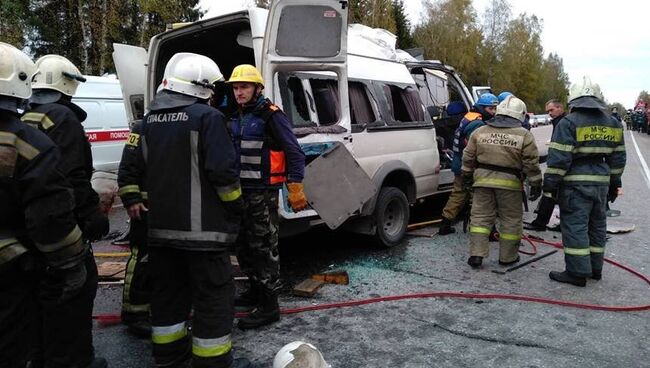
x,y
95,226
73,280
236,208
612,194
552,192
468,180
535,192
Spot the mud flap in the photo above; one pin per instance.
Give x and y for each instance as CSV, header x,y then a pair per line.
x,y
336,186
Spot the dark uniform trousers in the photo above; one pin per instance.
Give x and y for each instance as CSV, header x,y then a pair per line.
x,y
67,329
257,244
62,336
583,210
183,279
544,211
18,308
137,283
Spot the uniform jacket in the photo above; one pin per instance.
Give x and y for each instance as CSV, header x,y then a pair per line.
x,y
499,152
61,121
556,120
468,124
130,174
185,160
639,118
587,148
37,204
268,151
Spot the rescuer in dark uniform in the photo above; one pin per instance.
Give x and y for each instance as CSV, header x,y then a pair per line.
x,y
185,162
586,159
48,277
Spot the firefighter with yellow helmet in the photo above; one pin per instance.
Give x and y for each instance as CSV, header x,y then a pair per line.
x,y
268,156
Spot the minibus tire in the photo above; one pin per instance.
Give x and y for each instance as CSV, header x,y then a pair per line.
x,y
391,216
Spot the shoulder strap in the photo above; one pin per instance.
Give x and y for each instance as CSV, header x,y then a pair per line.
x,y
471,116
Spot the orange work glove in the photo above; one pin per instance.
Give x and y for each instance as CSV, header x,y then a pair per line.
x,y
297,199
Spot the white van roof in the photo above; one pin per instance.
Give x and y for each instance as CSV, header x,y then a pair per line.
x,y
99,87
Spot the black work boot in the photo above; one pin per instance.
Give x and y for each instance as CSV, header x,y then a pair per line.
x,y
140,329
98,363
446,227
596,275
567,278
475,261
266,313
249,299
534,226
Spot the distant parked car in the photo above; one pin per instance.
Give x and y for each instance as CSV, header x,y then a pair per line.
x,y
541,119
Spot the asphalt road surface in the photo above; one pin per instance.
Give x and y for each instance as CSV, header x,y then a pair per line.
x,y
444,331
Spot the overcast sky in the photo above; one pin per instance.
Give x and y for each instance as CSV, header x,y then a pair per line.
x,y
606,40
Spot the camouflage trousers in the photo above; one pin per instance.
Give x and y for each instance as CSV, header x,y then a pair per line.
x,y
257,243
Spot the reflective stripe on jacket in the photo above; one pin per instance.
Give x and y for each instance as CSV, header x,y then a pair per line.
x,y
130,175
37,203
269,153
61,121
587,148
185,159
503,147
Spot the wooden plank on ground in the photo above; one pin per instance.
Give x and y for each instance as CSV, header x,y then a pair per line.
x,y
333,277
307,288
111,270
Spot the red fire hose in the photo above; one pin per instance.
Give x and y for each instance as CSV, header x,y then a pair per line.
x,y
109,319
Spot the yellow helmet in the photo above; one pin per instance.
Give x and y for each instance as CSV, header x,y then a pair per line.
x,y
246,73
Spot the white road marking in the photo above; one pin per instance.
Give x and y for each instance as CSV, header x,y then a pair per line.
x,y
646,171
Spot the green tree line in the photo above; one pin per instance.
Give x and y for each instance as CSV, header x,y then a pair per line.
x,y
493,48
85,30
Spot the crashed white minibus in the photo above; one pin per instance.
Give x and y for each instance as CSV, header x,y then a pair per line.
x,y
365,114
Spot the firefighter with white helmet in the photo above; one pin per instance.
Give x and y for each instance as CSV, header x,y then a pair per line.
x,y
46,278
193,214
179,75
494,160
586,158
52,111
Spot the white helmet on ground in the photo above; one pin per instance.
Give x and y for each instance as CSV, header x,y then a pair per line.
x,y
16,72
585,87
57,73
513,107
191,74
299,354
